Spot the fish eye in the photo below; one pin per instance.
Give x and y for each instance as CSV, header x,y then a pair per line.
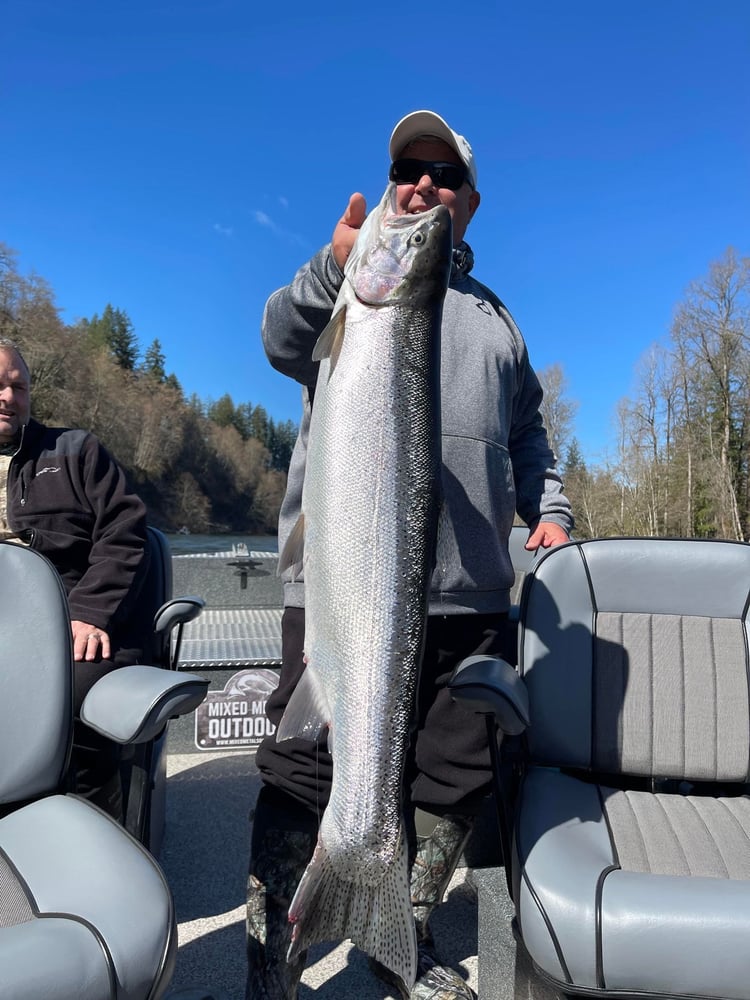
x,y
418,238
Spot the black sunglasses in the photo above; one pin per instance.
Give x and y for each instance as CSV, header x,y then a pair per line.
x,y
444,175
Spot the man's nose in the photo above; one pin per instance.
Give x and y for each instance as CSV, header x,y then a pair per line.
x,y
425,183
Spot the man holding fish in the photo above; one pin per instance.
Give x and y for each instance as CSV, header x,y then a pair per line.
x,y
421,438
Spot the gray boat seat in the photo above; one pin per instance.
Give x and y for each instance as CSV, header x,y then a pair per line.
x,y
628,805
85,911
169,613
144,764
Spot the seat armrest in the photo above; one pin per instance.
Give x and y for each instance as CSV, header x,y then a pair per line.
x,y
491,686
176,612
133,704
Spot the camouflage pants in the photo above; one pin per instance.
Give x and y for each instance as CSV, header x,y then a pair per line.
x,y
284,837
437,854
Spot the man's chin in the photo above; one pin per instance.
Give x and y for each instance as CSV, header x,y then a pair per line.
x,y
8,432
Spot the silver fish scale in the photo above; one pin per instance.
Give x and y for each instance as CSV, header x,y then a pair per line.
x,y
365,580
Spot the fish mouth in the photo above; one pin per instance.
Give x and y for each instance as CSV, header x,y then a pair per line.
x,y
385,262
392,217
402,257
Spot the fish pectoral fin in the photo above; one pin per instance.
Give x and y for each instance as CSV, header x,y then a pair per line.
x,y
378,918
307,712
331,340
293,553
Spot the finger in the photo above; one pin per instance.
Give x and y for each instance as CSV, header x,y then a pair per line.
x,y
96,645
79,643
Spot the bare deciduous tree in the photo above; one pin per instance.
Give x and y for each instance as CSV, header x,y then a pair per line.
x,y
558,412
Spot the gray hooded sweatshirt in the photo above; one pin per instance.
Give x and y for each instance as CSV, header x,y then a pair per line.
x,y
495,453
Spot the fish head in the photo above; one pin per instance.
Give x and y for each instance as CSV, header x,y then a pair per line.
x,y
401,258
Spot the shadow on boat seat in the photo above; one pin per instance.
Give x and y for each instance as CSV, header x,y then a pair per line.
x,y
483,849
144,764
622,774
85,911
522,560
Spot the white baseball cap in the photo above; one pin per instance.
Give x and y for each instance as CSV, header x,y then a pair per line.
x,y
424,123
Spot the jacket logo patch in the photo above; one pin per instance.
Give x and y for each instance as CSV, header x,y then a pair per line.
x,y
47,468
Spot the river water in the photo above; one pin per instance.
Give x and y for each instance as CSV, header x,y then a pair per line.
x,y
192,544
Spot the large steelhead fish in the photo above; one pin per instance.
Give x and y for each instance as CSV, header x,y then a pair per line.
x,y
369,520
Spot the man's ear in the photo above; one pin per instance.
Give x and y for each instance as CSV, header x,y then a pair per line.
x,y
474,199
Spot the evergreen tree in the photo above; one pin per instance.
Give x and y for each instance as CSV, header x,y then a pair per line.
x,y
114,331
574,461
258,425
153,362
123,342
196,405
222,411
280,443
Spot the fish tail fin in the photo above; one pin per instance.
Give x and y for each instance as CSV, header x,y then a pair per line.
x,y
377,918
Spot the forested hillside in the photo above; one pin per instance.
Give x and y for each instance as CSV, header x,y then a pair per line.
x,y
204,465
679,464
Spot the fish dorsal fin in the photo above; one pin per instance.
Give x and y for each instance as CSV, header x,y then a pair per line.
x,y
293,553
307,712
331,339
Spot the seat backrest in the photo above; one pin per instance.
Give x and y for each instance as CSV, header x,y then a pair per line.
x,y
155,591
36,677
635,655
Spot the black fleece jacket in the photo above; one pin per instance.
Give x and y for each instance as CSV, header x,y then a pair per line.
x,y
71,501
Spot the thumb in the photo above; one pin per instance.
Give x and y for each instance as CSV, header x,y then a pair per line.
x,y
535,539
345,233
356,211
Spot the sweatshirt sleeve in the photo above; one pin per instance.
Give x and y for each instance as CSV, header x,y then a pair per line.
x,y
539,488
297,314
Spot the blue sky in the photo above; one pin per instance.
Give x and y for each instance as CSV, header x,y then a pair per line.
x,y
181,159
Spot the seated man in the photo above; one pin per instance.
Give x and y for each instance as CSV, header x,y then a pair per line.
x,y
64,495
